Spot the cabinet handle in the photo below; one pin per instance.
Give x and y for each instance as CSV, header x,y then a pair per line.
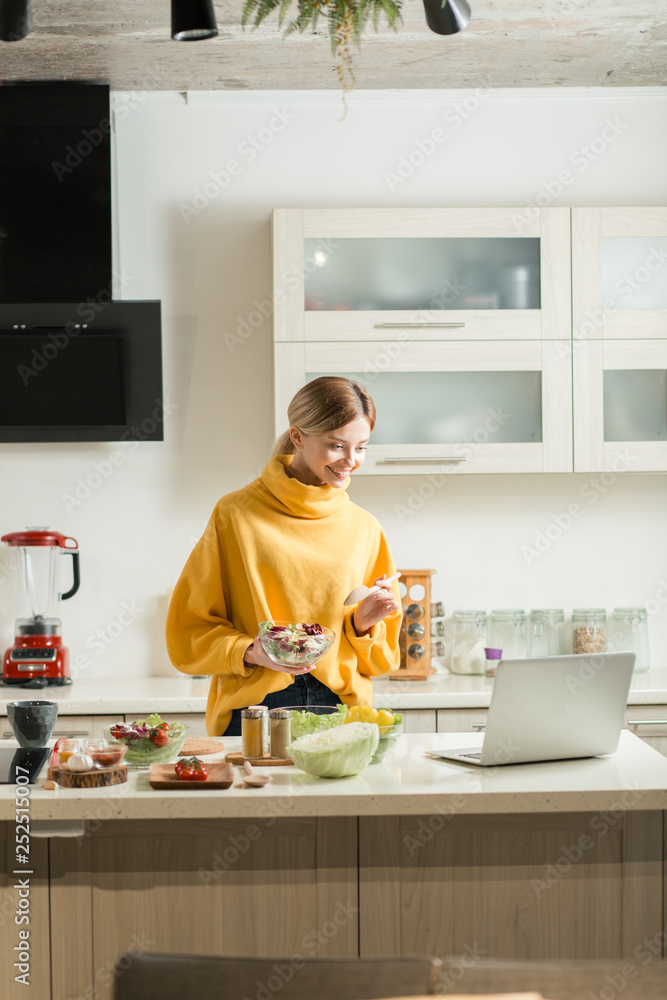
x,y
419,461
417,326
647,722
479,725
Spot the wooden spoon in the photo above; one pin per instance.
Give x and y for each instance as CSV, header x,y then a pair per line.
x,y
361,591
251,778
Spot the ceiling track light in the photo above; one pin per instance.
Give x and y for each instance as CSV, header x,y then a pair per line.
x,y
447,17
15,20
192,20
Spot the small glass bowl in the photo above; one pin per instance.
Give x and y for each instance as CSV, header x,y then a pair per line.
x,y
388,738
105,754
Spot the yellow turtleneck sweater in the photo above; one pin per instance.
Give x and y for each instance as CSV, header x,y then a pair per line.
x,y
280,550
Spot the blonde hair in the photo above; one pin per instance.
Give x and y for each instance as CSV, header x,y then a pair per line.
x,y
325,404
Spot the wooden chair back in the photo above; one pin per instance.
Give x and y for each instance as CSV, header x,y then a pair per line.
x,y
152,976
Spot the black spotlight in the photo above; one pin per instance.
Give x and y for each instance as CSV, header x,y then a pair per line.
x,y
446,17
192,20
15,20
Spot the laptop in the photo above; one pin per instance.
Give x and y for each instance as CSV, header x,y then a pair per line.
x,y
552,708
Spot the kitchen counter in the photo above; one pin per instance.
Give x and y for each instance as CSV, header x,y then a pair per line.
x,y
179,694
559,860
406,783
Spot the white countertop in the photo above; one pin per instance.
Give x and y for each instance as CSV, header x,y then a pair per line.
x,y
405,783
179,694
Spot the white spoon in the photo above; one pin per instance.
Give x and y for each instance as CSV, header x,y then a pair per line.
x,y
362,591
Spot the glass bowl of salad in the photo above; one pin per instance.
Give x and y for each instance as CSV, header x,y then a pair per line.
x,y
295,645
306,719
148,741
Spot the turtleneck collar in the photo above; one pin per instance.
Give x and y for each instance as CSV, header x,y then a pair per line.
x,y
290,496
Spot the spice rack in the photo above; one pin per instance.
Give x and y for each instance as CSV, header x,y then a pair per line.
x,y
421,620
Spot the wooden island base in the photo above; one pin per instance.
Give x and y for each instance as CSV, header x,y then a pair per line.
x,y
569,885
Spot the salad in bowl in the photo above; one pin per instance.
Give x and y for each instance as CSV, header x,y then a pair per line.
x,y
295,645
148,741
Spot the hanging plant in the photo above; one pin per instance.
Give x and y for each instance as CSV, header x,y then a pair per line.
x,y
346,22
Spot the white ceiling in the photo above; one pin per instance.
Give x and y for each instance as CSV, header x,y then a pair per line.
x,y
509,43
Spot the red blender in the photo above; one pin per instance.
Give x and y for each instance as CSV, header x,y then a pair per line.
x,y
38,656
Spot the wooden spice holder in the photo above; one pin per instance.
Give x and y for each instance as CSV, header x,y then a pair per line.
x,y
415,665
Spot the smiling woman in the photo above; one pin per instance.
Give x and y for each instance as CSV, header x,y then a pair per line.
x,y
290,547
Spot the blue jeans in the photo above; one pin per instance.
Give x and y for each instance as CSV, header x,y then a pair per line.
x,y
306,690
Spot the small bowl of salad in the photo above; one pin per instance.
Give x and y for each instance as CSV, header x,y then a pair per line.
x,y
295,645
149,741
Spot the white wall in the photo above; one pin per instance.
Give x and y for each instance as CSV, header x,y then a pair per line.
x,y
137,525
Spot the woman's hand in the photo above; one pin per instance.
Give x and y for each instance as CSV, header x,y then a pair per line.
x,y
256,657
374,608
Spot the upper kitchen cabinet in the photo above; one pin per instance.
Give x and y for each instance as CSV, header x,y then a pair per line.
x,y
457,320
619,267
440,274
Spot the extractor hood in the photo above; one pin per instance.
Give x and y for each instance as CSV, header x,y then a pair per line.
x,y
74,364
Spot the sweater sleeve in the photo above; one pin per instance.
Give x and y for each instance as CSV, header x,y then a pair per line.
x,y
200,637
378,652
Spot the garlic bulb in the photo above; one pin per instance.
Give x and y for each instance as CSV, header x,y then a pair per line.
x,y
80,762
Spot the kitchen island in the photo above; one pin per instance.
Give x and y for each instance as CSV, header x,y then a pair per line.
x,y
551,860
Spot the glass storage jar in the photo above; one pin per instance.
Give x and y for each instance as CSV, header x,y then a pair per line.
x,y
469,637
589,630
508,632
629,632
546,635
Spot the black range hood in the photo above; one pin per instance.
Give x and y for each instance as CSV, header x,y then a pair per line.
x,y
74,365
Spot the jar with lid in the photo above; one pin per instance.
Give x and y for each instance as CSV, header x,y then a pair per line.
x,y
469,637
254,727
589,630
508,632
546,635
280,728
629,633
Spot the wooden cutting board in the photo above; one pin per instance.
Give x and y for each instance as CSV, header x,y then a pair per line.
x,y
196,746
236,757
163,776
115,775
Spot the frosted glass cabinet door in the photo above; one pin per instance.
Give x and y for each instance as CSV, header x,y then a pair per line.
x,y
452,407
442,274
619,268
620,412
